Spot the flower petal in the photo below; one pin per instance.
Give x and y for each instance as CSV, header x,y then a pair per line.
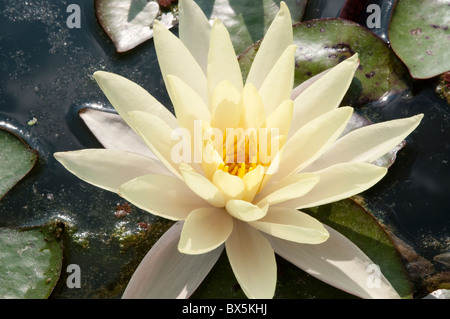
x,y
338,182
254,113
293,225
157,136
222,61
226,109
308,143
108,169
194,31
175,59
174,201
231,186
252,181
252,260
277,86
278,37
125,96
113,132
202,186
323,95
245,211
368,143
337,261
290,187
166,273
204,230
281,117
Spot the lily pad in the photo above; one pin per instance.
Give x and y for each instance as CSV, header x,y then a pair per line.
x,y
419,34
129,22
324,43
350,219
30,261
16,159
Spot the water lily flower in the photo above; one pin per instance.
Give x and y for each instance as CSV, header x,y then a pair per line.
x,y
251,206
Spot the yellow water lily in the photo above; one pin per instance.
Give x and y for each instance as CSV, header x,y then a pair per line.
x,y
237,162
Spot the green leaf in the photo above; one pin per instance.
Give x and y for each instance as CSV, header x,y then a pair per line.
x,y
30,261
348,218
419,34
16,159
324,43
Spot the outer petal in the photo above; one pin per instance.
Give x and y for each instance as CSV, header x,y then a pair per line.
x,y
222,61
277,86
194,31
108,169
205,229
164,196
368,143
126,96
252,260
338,182
337,262
277,39
292,225
113,132
175,59
166,273
323,95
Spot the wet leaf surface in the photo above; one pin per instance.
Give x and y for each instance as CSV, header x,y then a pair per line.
x,y
16,160
419,33
30,261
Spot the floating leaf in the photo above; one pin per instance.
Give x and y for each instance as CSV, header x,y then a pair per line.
x,y
16,160
322,44
129,22
419,34
30,261
348,218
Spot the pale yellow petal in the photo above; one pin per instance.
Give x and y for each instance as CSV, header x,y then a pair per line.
x,y
338,182
368,143
204,230
175,59
277,86
231,186
157,135
161,195
293,225
281,117
278,37
108,169
126,96
202,186
246,211
254,114
252,182
252,260
226,109
194,31
222,60
325,94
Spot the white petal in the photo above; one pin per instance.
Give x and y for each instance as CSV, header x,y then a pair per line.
x,y
194,31
205,229
164,196
231,186
277,39
368,143
252,260
175,59
108,169
166,273
293,225
113,132
324,95
126,96
337,262
338,182
246,211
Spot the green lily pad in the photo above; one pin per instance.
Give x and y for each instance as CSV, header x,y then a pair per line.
x,y
16,159
348,218
30,261
324,43
419,34
247,20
